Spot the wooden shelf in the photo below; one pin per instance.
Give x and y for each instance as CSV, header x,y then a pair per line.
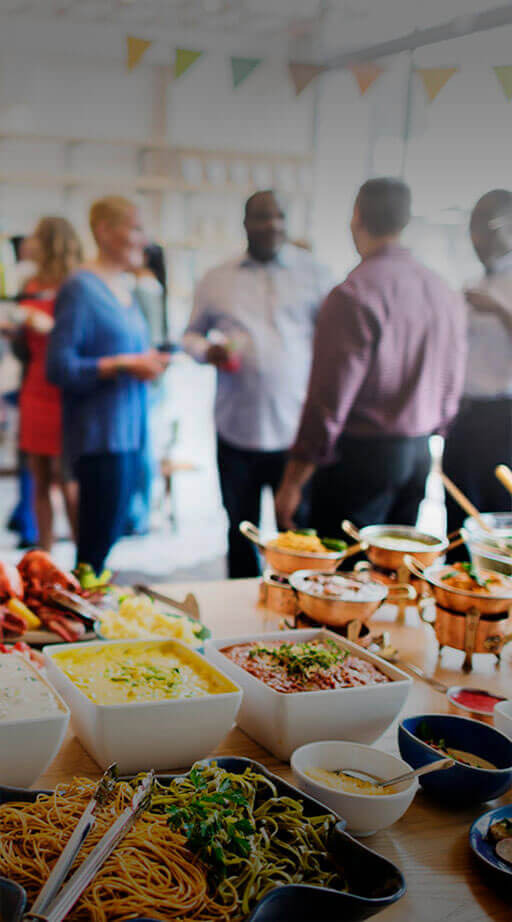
x,y
137,184
156,145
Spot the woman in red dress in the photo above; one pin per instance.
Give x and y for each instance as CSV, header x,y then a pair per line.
x,y
57,253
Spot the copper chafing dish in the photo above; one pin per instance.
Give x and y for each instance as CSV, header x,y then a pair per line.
x,y
337,612
283,560
461,600
472,632
277,594
389,558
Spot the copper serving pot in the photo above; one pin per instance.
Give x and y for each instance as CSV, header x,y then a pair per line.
x,y
339,612
389,558
466,631
459,600
277,594
286,561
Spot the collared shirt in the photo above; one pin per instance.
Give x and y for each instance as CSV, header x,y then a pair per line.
x,y
99,414
268,311
489,368
389,356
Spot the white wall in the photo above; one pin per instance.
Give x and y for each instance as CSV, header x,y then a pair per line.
x,y
62,79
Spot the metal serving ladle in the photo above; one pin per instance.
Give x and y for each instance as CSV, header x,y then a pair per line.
x,y
439,765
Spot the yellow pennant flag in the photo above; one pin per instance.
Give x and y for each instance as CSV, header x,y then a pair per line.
x,y
366,74
135,50
434,79
184,58
504,75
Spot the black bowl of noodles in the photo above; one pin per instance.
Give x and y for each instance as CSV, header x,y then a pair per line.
x,y
360,882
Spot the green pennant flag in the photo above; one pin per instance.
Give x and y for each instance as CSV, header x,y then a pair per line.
x,y
504,75
184,58
241,68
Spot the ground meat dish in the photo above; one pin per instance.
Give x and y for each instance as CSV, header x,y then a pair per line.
x,y
307,666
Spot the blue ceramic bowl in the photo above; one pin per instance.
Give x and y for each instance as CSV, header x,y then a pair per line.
x,y
460,784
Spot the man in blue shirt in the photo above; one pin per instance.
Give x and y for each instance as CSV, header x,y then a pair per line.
x,y
254,319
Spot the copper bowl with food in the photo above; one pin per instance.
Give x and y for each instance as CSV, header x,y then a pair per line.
x,y
335,599
297,550
460,587
389,544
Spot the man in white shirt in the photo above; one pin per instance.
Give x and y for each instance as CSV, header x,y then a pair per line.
x,y
481,436
254,319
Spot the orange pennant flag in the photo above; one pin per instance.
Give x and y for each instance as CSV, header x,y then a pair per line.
x,y
366,74
303,74
135,50
434,79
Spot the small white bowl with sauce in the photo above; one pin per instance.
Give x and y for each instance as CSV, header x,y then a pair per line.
x,y
313,768
503,717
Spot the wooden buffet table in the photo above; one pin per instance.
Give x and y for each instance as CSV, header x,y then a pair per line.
x,y
430,843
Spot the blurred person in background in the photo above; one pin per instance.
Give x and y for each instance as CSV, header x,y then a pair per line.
x,y
99,356
253,320
151,295
481,436
23,517
56,252
387,372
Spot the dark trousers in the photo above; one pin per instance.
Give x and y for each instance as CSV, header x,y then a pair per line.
x,y
243,473
107,483
480,439
376,481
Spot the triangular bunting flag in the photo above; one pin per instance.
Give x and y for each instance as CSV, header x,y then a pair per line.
x,y
504,75
434,78
303,74
184,58
366,74
242,67
135,50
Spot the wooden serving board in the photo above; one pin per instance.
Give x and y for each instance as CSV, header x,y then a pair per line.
x,y
41,638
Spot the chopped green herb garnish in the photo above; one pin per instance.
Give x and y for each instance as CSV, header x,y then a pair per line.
x,y
303,659
474,574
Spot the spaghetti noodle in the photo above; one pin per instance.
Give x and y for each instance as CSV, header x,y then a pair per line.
x,y
213,844
151,873
250,838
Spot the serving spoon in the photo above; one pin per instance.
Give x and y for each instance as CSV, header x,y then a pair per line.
x,y
471,510
405,776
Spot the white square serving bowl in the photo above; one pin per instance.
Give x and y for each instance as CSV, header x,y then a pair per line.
x,y
29,746
282,722
167,734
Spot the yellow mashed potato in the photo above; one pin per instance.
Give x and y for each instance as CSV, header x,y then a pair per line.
x,y
138,618
128,673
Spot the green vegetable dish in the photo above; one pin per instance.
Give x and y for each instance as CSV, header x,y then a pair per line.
x,y
248,837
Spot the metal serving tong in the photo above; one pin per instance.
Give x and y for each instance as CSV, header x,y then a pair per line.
x,y
101,796
71,601
189,606
54,908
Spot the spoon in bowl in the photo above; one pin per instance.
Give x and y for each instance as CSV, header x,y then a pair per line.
x,y
405,776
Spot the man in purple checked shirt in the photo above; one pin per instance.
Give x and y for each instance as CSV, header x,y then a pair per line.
x,y
388,369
